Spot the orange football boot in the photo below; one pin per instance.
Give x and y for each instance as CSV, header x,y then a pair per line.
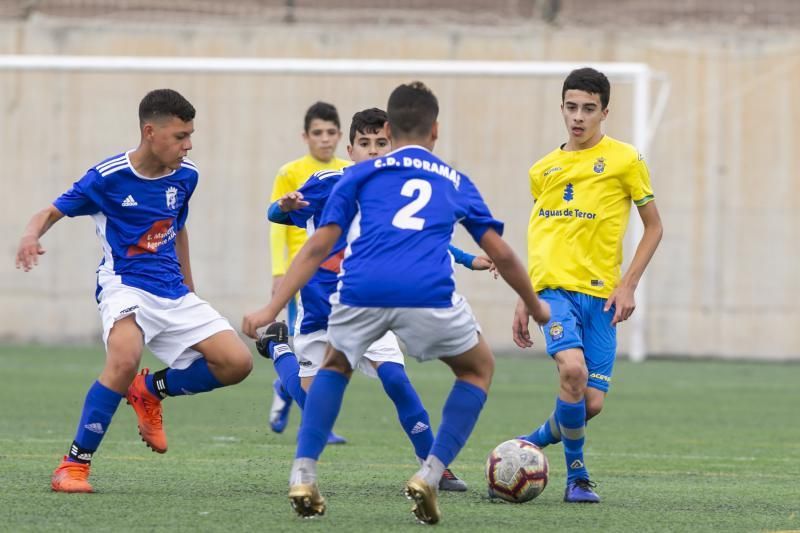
x,y
148,411
71,477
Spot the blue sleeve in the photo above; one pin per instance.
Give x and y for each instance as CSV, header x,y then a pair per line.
x,y
461,257
274,214
85,197
341,207
183,214
478,218
315,191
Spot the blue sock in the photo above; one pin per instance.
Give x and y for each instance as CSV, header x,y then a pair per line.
x,y
192,380
412,414
99,407
459,415
287,368
323,403
572,422
546,434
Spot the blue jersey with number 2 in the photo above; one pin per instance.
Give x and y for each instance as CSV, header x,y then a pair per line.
x,y
398,213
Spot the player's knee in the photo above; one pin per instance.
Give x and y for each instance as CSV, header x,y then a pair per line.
x,y
574,378
121,365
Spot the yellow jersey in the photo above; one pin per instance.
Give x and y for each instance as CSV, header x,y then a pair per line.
x,y
286,241
582,201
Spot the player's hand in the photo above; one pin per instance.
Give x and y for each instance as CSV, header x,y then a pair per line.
x,y
625,303
519,327
292,201
28,252
481,262
257,319
542,313
276,282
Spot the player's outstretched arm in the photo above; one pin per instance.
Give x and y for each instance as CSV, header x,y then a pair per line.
x,y
279,211
304,265
292,202
30,248
510,267
623,295
182,251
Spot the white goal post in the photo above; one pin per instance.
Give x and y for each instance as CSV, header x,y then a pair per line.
x,y
646,116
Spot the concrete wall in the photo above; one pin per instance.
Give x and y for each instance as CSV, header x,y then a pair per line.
x,y
724,162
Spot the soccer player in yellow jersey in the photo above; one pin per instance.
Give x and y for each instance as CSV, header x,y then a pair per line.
x,y
582,196
322,133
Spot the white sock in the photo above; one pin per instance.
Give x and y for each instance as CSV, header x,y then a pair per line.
x,y
304,472
432,470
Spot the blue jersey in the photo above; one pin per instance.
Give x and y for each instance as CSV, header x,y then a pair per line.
x,y
315,303
398,213
137,220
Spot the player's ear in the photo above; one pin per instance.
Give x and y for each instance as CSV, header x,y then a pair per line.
x,y
388,131
147,130
350,151
605,114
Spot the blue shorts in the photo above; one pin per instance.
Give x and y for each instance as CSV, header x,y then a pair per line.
x,y
578,321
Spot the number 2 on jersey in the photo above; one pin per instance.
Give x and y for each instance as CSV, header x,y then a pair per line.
x,y
404,218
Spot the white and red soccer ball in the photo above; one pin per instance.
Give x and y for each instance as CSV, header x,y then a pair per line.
x,y
516,471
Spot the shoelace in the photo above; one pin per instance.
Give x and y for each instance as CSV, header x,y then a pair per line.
x,y
585,484
153,411
447,474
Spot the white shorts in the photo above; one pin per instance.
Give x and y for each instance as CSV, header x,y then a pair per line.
x,y
428,333
310,351
170,327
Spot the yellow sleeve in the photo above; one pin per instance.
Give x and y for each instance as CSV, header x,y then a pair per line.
x,y
637,182
279,233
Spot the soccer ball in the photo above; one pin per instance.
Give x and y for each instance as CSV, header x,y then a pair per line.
x,y
516,471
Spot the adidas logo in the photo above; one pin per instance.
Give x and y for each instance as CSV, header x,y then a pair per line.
x,y
576,464
129,201
419,427
95,427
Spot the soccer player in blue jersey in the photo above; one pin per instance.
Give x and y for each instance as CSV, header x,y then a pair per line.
x,y
139,201
398,213
383,359
583,193
321,132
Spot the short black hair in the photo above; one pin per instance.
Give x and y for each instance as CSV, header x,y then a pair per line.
x,y
412,110
162,103
322,111
367,121
589,80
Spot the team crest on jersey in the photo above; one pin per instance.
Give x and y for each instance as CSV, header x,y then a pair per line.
x,y
600,165
172,197
556,331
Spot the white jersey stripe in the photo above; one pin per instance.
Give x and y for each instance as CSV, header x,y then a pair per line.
x,y
101,167
111,170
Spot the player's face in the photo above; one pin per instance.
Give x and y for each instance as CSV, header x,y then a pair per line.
x,y
369,146
322,137
170,140
583,114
